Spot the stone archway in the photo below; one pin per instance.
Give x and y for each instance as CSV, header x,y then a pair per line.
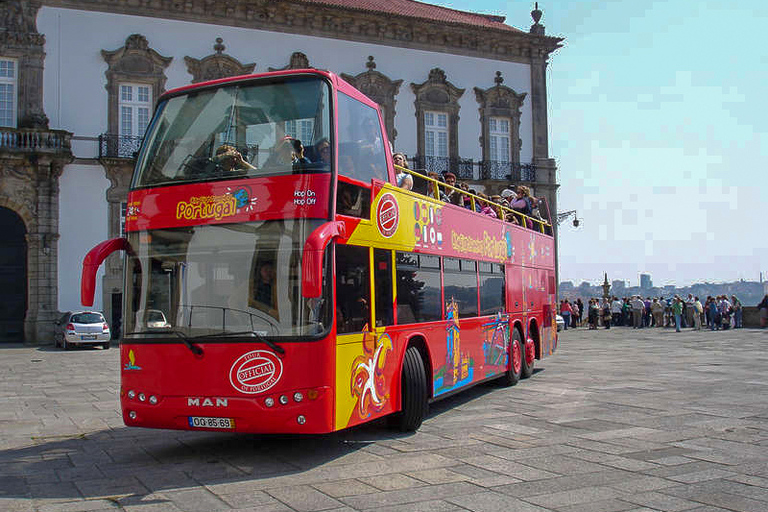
x,y
13,276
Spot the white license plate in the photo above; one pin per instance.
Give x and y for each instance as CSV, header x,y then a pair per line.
x,y
206,422
88,337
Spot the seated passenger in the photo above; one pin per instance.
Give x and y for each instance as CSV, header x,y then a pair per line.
x,y
298,158
522,204
431,185
323,151
404,180
485,208
450,193
229,158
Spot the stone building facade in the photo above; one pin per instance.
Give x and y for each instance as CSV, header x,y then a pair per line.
x,y
78,79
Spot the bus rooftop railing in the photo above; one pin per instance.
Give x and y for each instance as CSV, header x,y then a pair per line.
x,y
501,211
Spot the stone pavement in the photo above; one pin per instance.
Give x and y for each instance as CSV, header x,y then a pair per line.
x,y
616,420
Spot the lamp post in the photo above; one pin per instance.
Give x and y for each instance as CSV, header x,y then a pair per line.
x,y
561,216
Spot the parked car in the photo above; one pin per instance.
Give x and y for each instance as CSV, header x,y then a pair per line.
x,y
560,323
154,319
76,328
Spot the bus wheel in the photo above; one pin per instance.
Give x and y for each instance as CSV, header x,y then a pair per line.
x,y
529,358
512,375
413,392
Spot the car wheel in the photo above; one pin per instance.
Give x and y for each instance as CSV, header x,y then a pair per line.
x,y
512,375
413,391
105,346
529,358
67,345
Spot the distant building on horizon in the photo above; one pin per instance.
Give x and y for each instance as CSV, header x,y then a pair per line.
x,y
645,282
618,286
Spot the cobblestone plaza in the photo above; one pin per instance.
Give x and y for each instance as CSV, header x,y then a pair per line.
x,y
616,420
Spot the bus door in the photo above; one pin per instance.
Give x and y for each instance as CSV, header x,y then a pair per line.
x,y
364,350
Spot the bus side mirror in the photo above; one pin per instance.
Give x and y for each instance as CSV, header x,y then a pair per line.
x,y
312,259
91,264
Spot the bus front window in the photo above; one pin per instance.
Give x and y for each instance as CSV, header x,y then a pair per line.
x,y
222,279
243,129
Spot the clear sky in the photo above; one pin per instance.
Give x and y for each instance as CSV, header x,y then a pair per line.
x,y
658,121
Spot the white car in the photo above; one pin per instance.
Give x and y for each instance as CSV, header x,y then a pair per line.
x,y
560,323
81,328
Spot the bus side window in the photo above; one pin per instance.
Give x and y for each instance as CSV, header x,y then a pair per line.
x,y
353,289
382,276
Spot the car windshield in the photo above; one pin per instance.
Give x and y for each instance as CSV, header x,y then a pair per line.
x,y
222,279
244,129
87,318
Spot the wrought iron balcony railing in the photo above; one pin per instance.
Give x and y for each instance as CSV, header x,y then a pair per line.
x,y
507,171
119,146
30,140
466,169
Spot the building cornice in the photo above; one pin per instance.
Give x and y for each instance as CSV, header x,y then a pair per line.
x,y
337,22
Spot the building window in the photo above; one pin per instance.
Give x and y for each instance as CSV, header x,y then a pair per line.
x,y
135,109
8,92
436,134
499,139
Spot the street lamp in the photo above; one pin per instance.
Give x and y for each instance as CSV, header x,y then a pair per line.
x,y
561,216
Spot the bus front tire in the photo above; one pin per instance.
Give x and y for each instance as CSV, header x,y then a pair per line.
x,y
413,389
513,374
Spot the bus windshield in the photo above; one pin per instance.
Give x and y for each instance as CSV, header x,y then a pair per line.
x,y
220,280
244,129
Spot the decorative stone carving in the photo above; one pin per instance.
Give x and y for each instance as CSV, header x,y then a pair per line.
x,y
18,16
134,62
17,188
438,94
217,65
500,101
298,61
380,89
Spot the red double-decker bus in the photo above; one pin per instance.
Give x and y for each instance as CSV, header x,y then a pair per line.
x,y
277,281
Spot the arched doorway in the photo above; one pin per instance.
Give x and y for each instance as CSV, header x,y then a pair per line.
x,y
13,276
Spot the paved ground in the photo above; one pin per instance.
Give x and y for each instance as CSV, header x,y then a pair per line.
x,y
618,420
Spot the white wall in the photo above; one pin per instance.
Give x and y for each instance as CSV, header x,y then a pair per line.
x,y
76,100
82,224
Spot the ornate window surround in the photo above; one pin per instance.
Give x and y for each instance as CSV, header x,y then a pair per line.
x,y
298,60
500,101
216,65
440,95
381,89
134,63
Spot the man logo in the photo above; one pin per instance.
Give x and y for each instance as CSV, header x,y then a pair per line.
x,y
206,402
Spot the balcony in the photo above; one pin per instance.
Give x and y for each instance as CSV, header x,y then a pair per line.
x,y
34,141
119,146
461,167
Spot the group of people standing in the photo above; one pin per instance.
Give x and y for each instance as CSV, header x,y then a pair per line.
x,y
716,313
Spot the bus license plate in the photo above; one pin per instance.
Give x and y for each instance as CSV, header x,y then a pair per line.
x,y
206,422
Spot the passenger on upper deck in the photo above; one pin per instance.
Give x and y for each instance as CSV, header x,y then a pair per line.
x,y
404,180
230,159
431,187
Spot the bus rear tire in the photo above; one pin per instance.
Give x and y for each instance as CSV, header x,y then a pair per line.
x,y
515,371
413,389
529,358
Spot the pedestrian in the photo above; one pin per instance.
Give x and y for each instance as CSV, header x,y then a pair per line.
x,y
714,316
575,314
725,312
580,314
763,310
616,311
677,310
594,311
638,306
697,310
565,312
607,313
737,312
657,310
